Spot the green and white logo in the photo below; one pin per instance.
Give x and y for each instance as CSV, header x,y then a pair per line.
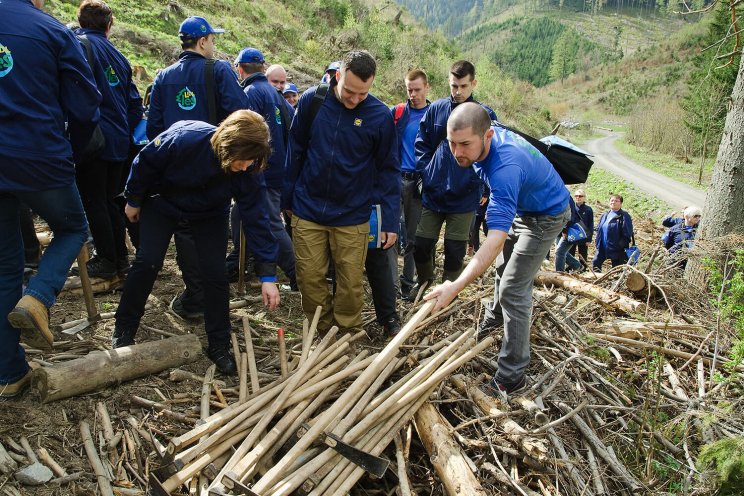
x,y
186,99
278,116
111,76
6,61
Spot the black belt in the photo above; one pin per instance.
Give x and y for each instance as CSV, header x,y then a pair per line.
x,y
409,175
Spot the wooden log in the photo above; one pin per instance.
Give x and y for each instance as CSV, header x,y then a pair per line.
x,y
400,460
100,369
444,453
47,459
163,409
7,464
104,485
635,282
609,299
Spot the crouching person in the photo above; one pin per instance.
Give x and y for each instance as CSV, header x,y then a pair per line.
x,y
190,172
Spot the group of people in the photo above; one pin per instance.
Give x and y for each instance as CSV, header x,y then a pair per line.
x,y
227,147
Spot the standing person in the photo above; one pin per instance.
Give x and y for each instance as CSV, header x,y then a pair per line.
x,y
291,94
179,92
407,117
36,169
190,172
563,245
587,217
265,100
277,77
678,240
99,178
527,209
450,194
614,232
340,161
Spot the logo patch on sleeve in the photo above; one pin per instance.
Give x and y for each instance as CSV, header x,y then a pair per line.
x,y
6,61
111,76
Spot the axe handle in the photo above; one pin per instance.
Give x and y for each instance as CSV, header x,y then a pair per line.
x,y
90,304
241,262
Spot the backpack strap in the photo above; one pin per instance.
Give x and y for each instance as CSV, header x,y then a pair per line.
x,y
318,99
209,83
88,49
399,109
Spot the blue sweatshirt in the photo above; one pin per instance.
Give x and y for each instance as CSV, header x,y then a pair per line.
x,y
343,163
179,174
179,93
522,181
407,128
44,81
614,234
264,99
446,187
121,103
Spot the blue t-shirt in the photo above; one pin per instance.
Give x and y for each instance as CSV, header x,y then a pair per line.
x,y
522,181
408,157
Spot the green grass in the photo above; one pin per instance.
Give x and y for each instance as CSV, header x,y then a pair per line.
x,y
601,184
668,165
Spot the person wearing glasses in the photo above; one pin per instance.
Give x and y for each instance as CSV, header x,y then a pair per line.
x,y
614,233
679,237
587,217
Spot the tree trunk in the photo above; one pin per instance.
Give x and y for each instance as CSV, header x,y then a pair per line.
x,y
723,213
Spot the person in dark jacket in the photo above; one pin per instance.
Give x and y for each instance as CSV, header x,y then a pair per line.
x,y
180,93
99,178
678,239
614,233
563,245
528,207
450,194
407,126
264,99
587,217
44,81
340,161
291,94
190,172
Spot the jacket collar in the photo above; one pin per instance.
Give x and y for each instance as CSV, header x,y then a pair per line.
x,y
256,76
190,54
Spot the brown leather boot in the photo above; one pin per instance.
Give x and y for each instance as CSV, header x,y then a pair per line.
x,y
18,387
32,318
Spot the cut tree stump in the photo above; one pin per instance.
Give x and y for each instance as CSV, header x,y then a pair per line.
x,y
610,299
100,369
445,454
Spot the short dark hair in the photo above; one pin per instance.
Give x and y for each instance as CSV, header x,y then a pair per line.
x,y
361,63
251,68
95,14
469,115
188,43
615,195
415,74
463,68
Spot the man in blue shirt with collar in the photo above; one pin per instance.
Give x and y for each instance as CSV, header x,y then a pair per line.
x,y
527,209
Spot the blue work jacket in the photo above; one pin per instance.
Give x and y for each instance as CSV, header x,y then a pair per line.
x,y
342,162
446,187
614,236
179,174
45,82
179,93
587,217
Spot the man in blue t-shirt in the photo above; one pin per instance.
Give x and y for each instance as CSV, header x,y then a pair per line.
x,y
528,207
407,117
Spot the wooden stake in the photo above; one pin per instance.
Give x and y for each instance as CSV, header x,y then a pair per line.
x,y
104,485
251,356
282,352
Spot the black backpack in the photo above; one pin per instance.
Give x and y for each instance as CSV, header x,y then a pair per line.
x,y
572,165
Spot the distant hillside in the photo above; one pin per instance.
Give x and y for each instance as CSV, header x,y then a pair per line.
x,y
302,35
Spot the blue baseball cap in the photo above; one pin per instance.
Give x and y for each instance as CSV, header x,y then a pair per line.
x,y
196,27
334,66
290,88
250,56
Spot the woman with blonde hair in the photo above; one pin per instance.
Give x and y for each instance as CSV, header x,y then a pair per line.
x,y
189,173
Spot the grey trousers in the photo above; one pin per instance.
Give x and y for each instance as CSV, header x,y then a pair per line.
x,y
526,246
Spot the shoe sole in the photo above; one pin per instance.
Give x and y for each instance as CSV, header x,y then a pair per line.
x,y
31,333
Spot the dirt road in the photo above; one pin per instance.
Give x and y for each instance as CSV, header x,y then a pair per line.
x,y
676,194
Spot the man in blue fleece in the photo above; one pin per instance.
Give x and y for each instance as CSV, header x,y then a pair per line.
x,y
340,161
527,209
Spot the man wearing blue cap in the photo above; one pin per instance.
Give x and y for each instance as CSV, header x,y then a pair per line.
x,y
291,94
179,92
264,99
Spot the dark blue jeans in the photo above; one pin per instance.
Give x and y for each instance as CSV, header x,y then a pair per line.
x,y
62,210
210,242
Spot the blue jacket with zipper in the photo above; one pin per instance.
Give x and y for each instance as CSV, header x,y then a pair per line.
x,y
45,81
179,174
614,234
264,99
446,187
121,107
342,162
179,93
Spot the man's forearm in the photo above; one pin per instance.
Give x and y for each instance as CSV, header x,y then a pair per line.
x,y
483,258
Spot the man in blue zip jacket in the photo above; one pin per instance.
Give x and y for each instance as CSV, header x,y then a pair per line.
x,y
179,92
99,178
527,209
614,234
450,194
339,163
407,117
44,81
264,99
